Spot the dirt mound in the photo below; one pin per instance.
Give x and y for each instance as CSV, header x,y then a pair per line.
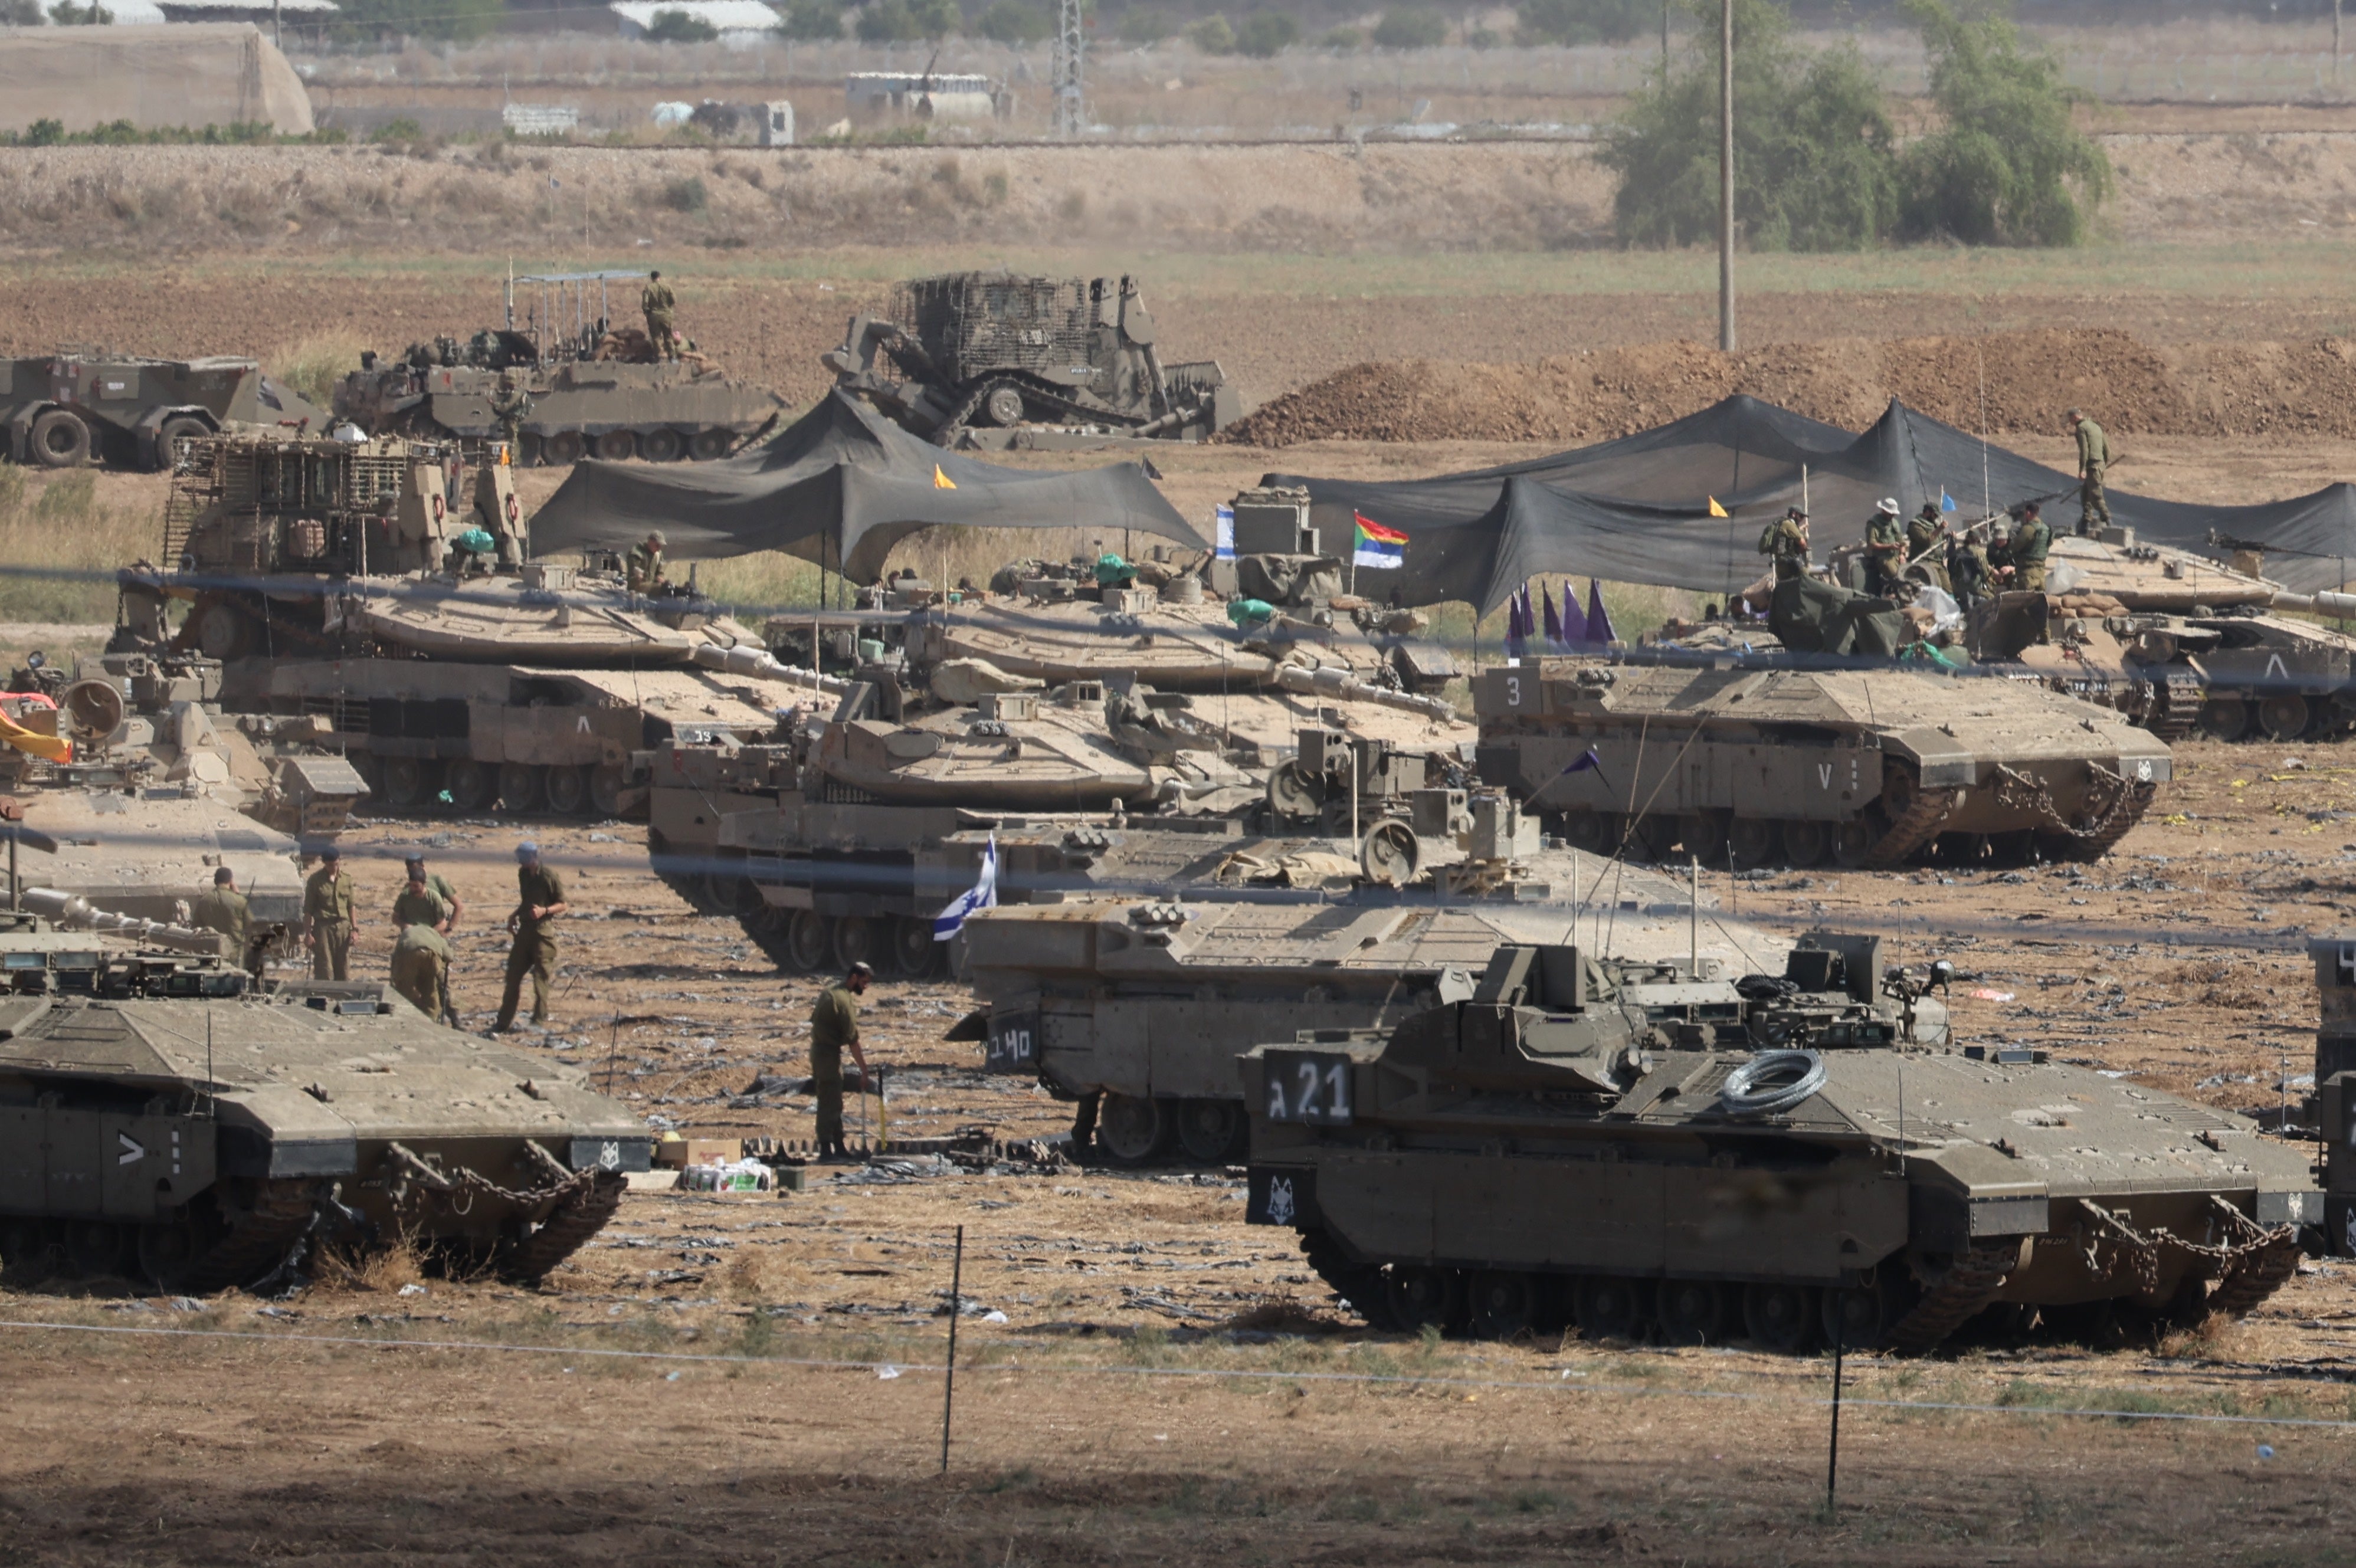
x,y
2010,383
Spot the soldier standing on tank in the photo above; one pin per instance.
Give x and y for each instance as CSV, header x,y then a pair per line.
x,y
1786,539
1924,537
2024,557
645,565
2094,459
509,404
420,968
1969,569
428,900
1885,542
328,900
834,1024
225,909
540,900
657,302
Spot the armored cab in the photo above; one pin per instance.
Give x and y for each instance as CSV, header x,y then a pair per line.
x,y
79,406
1870,767
1547,1153
596,390
981,359
2335,1084
169,1117
378,598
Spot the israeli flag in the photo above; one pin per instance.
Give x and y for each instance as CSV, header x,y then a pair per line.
x,y
1946,502
1225,519
983,894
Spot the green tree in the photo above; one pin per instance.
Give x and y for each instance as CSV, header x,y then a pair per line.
x,y
680,27
66,13
1584,21
1016,22
2006,166
811,21
1213,34
1410,28
1264,33
1814,164
458,20
1144,24
20,13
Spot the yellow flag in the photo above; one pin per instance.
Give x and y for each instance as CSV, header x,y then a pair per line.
x,y
942,481
1716,510
56,748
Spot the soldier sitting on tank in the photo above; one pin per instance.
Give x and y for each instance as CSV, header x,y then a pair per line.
x,y
1885,545
472,552
1786,539
1968,568
646,564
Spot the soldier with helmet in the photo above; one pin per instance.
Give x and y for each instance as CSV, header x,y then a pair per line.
x,y
1925,534
509,404
646,563
1786,540
2022,563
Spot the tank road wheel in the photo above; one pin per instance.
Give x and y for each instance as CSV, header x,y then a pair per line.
x,y
605,789
1806,844
1003,407
661,445
808,941
564,447
1210,1131
1587,831
1503,1305
1420,1296
1779,1317
95,1246
529,449
1704,835
24,1250
616,445
59,440
915,953
1610,1307
522,787
568,790
1751,841
2284,716
1295,796
2224,718
409,782
1857,1320
224,631
1653,838
1132,1129
857,940
174,431
166,1253
472,785
711,444
727,889
1694,1311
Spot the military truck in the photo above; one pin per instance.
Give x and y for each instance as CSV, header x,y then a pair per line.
x,y
1772,762
167,1116
597,389
983,358
80,406
2334,1107
1544,1152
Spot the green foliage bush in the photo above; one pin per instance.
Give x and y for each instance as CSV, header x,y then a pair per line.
x,y
1584,21
1410,28
1342,38
66,13
811,21
1213,34
20,13
680,27
1264,33
1144,24
1016,22
686,194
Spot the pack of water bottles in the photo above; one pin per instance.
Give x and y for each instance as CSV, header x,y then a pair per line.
x,y
738,1176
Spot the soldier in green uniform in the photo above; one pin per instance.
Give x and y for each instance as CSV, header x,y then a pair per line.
x,y
328,900
1786,539
657,302
420,968
1885,544
541,900
645,565
2025,554
834,1024
1968,567
2093,458
439,886
224,910
509,404
1924,537
427,901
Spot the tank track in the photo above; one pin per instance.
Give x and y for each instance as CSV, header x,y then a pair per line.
x,y
1035,390
1913,830
578,1215
1360,1286
2177,697
1966,1288
2255,1274
258,1242
2122,823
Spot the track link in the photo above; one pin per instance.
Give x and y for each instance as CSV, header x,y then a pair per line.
x,y
2121,824
1915,829
2255,1274
578,1215
258,1242
1962,1292
1360,1286
2177,699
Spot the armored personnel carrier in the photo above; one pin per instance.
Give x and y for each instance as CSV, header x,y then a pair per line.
x,y
595,391
1544,1152
171,1118
985,356
79,406
378,598
1868,767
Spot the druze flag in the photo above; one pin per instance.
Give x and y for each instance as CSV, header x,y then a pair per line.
x,y
1379,546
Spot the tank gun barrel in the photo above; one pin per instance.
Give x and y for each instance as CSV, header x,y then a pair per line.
x,y
754,662
1340,685
69,909
2341,606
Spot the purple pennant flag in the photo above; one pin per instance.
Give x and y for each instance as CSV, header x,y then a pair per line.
x,y
1598,619
1553,621
1574,619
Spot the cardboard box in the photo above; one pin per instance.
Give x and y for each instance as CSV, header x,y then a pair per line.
x,y
677,1153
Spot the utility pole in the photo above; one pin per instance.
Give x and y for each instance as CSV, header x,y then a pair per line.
x,y
1725,177
1665,40
2335,43
1069,85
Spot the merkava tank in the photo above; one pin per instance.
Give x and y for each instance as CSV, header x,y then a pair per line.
x,y
80,406
986,357
596,391
174,1118
1544,1153
1783,760
378,598
1139,1006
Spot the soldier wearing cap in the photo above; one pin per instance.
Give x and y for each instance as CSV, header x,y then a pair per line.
x,y
646,563
1786,539
834,1024
225,909
327,900
1885,545
540,900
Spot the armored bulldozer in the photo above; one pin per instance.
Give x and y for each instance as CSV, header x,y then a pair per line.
x,y
80,406
377,599
1544,1152
595,389
983,358
168,1117
2334,1109
1782,764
